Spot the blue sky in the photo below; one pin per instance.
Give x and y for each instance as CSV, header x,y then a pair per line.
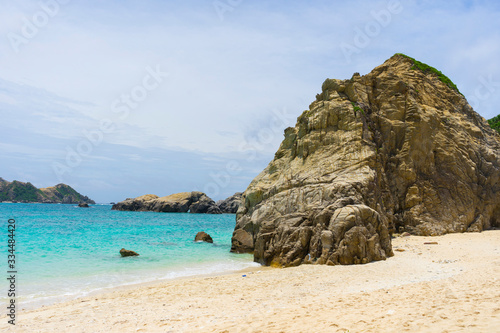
x,y
124,98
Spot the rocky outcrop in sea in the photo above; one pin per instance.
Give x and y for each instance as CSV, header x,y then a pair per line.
x,y
399,149
193,202
230,205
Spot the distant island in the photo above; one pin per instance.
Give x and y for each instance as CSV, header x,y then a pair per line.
x,y
17,191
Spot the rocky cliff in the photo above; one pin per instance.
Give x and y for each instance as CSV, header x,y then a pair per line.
x,y
398,149
25,192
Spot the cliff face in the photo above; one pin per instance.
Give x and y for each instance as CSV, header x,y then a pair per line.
x,y
25,192
398,149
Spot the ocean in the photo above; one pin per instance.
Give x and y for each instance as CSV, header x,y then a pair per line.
x,y
64,252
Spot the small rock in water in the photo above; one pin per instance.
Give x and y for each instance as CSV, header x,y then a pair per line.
x,y
203,237
128,253
83,205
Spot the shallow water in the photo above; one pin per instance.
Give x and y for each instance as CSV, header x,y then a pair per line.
x,y
63,251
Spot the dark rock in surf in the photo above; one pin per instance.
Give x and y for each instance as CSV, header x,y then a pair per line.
x,y
128,253
203,237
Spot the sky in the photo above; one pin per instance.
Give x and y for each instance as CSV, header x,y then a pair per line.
x,y
123,98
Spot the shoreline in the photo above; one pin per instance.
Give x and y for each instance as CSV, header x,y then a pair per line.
x,y
453,285
61,299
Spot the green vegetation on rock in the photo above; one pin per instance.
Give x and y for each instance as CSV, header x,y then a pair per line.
x,y
495,123
62,190
357,108
429,69
22,192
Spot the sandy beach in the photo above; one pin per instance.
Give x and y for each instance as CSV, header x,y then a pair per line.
x,y
451,286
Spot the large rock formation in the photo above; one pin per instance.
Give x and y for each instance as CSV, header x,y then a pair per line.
x,y
17,191
193,202
396,149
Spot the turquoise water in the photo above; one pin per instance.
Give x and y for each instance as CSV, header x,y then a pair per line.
x,y
65,252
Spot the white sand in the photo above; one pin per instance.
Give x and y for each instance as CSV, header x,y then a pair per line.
x,y
453,286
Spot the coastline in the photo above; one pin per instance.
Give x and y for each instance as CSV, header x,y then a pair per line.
x,y
61,299
452,285
83,258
